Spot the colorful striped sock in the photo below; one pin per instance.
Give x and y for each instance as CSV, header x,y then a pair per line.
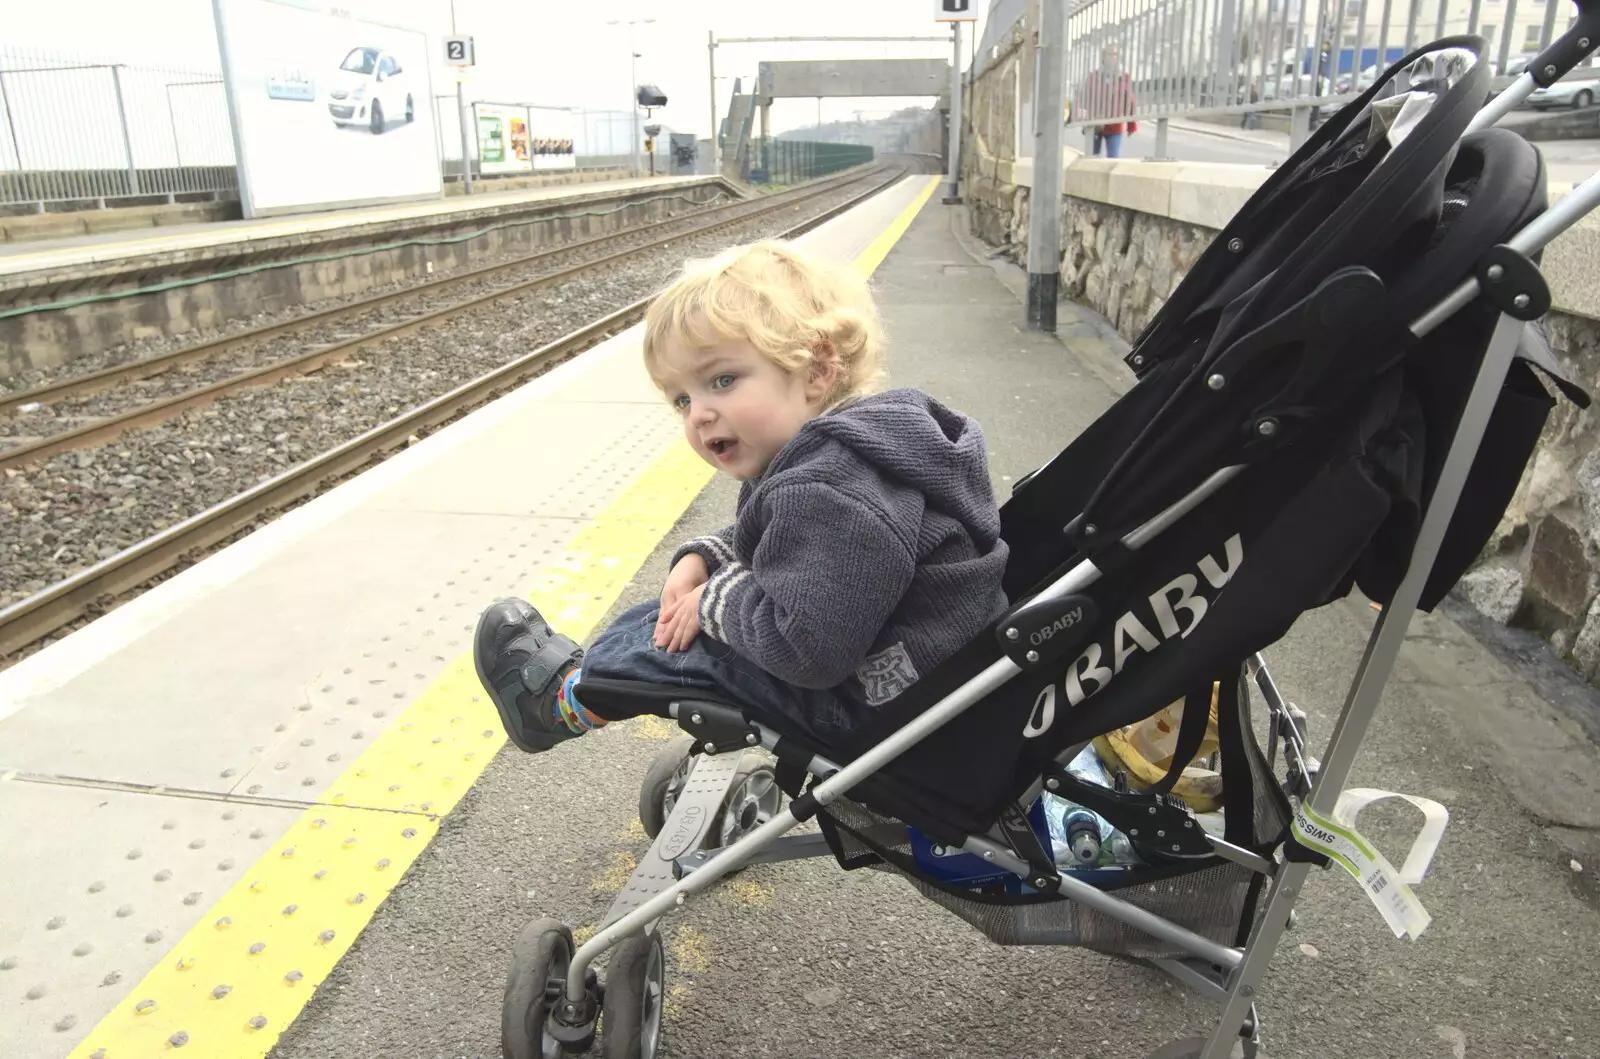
x,y
570,712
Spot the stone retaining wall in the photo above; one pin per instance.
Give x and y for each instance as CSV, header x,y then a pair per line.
x,y
1130,233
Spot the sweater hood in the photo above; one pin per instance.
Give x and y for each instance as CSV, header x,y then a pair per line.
x,y
910,437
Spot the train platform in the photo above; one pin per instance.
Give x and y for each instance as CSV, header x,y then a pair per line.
x,y
86,254
265,809
67,298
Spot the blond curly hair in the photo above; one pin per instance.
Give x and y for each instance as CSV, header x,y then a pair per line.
x,y
789,306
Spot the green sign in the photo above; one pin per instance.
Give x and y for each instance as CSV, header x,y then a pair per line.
x,y
491,139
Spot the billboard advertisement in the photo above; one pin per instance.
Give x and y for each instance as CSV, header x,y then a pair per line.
x,y
329,108
504,143
554,135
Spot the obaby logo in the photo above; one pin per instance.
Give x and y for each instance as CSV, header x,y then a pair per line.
x,y
1181,595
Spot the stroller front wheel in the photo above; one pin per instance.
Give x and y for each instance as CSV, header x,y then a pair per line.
x,y
541,954
664,782
753,799
630,1014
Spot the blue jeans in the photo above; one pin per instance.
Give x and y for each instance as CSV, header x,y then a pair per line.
x,y
627,651
1113,144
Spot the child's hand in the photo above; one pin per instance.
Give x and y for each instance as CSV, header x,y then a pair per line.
x,y
690,573
677,627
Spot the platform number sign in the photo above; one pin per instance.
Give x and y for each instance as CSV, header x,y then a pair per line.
x,y
955,10
458,51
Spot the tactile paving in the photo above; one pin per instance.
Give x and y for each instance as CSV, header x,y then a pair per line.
x,y
113,879
232,983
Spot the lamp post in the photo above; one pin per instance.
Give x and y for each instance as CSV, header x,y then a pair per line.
x,y
633,76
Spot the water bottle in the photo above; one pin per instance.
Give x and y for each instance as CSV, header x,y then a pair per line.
x,y
1082,829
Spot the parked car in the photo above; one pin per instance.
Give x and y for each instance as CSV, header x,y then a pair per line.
x,y
1346,85
1577,93
370,89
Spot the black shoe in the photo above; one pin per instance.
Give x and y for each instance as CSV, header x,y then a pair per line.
x,y
521,662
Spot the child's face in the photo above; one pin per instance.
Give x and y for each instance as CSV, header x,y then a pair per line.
x,y
738,407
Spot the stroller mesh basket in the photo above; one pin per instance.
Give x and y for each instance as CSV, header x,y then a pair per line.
x,y
1213,901
1214,898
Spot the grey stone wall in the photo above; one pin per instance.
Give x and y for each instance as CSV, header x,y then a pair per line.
x,y
992,149
1122,263
1540,571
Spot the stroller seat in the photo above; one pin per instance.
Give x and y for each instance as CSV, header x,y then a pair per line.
x,y
1342,395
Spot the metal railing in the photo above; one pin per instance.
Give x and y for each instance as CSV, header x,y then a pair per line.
x,y
79,131
1142,60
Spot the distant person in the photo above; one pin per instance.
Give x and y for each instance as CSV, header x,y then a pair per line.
x,y
1248,119
1108,93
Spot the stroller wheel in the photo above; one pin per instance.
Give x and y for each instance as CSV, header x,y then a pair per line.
x,y
630,1015
542,952
664,782
753,799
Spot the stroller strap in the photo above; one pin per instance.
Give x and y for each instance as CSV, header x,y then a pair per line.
x,y
1191,733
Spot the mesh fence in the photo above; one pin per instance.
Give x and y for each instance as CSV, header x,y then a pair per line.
x,y
792,161
74,130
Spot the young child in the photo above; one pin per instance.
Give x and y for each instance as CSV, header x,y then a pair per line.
x,y
866,547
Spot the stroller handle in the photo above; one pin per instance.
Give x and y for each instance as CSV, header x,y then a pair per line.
x,y
1567,50
1564,53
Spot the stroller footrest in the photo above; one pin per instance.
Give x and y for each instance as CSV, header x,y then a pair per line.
x,y
1157,825
687,830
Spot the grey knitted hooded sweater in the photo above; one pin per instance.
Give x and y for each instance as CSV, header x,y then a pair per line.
x,y
866,553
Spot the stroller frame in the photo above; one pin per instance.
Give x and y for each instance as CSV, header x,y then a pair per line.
x,y
1230,976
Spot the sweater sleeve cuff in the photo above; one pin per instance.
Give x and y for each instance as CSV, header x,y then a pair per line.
x,y
713,549
724,588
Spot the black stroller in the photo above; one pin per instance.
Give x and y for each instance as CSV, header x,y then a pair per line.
x,y
1342,394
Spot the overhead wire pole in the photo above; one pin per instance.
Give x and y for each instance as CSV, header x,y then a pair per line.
x,y
636,167
1044,216
711,67
461,113
952,187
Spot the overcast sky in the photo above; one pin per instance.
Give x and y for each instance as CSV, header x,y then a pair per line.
x,y
541,51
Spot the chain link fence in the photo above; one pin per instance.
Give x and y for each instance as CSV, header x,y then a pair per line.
x,y
79,133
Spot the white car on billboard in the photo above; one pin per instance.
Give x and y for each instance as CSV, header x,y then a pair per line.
x,y
371,89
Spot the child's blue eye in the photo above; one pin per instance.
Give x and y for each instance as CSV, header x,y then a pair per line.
x,y
681,402
722,382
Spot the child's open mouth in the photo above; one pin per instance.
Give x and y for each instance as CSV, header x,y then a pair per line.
x,y
722,448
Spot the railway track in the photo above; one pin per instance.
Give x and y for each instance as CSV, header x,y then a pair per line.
x,y
103,429
97,587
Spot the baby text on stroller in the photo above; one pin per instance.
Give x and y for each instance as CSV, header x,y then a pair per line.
x,y
1130,634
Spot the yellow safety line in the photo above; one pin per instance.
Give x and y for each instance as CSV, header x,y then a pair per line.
x,y
232,984
869,260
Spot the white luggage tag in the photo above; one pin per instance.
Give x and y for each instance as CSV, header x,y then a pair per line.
x,y
1389,890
